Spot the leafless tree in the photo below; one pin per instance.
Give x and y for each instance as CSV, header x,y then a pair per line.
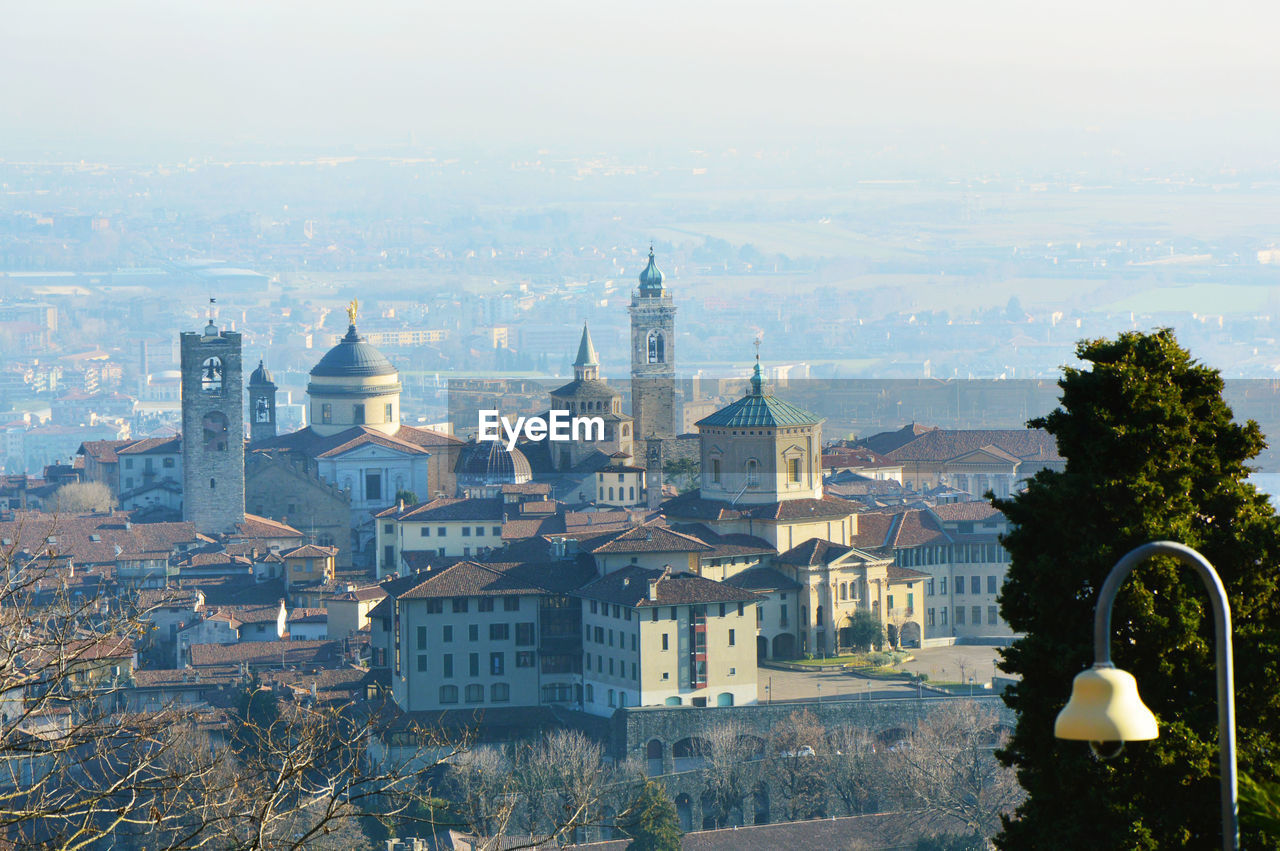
x,y
731,767
79,763
855,770
797,770
947,766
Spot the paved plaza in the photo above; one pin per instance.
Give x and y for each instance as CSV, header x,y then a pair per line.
x,y
943,664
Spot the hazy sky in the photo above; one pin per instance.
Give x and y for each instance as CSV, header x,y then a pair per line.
x,y
700,73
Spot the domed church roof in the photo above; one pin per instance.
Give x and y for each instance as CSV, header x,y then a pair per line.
x,y
261,375
491,463
353,357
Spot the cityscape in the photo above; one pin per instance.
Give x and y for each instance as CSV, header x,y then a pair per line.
x,y
656,480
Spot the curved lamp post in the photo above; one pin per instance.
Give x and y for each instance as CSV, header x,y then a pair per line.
x,y
1105,709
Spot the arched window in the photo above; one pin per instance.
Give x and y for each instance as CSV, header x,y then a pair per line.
x,y
211,375
844,591
753,473
817,616
262,411
611,494
448,694
633,494
215,431
657,347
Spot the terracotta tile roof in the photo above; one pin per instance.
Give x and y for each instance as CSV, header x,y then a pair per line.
x,y
945,444
91,539
103,450
472,579
725,546
694,507
481,510
323,654
975,511
887,441
152,445
904,574
630,587
263,527
332,685
916,528
311,551
873,530
242,590
407,439
646,538
303,615
762,579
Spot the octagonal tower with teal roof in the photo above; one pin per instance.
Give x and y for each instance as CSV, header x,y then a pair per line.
x,y
760,449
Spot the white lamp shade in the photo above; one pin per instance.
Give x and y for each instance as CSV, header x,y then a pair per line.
x,y
1105,707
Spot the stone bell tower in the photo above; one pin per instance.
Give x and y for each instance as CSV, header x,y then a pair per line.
x,y
653,356
262,404
212,429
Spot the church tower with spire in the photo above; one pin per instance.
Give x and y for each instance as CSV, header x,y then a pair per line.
x,y
589,396
653,356
262,404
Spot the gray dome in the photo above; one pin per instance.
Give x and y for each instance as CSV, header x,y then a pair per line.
x,y
353,357
490,463
261,375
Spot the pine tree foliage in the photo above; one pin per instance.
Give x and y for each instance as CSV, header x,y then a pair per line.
x,y
652,823
1151,453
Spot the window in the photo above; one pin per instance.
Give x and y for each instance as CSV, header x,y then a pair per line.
x,y
793,469
496,531
497,664
613,700
446,663
959,615
929,589
448,633
473,664
664,641
475,693
422,662
959,584
441,531
473,632
666,675
486,604
459,605
422,638
435,607
500,692
730,638
216,431
389,556
388,413
499,631
611,666
991,584
510,604
942,585
976,615
167,463
524,659
448,694
599,635
929,618
943,612
128,463
991,615
372,486
594,607
610,638
479,531
466,531
326,416
975,584
524,634
591,693
715,470
424,532
357,414
753,474
656,348
211,375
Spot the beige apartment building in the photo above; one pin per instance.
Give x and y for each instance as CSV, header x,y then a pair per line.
x,y
665,638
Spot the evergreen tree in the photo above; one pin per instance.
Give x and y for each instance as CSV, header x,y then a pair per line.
x,y
1151,453
653,825
253,723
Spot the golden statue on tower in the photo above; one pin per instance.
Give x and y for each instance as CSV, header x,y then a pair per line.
x,y
351,310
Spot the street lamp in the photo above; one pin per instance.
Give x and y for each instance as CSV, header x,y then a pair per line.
x,y
1105,709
